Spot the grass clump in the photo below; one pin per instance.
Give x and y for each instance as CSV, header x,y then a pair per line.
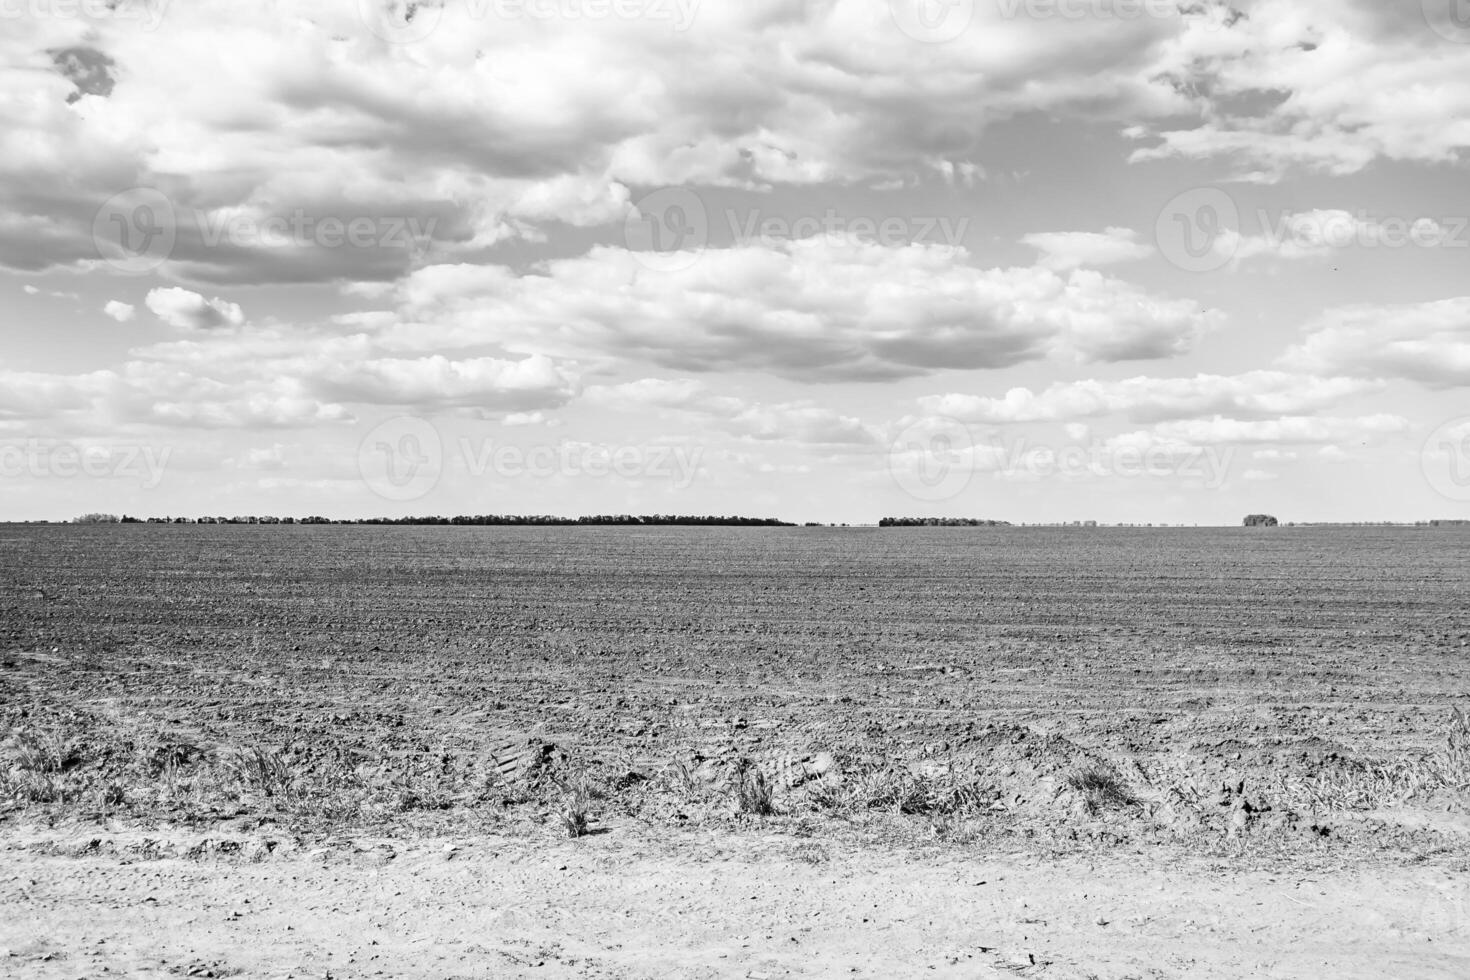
x,y
41,766
941,791
261,771
577,791
754,793
574,818
1377,785
1101,790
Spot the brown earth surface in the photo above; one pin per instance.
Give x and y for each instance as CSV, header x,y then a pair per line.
x,y
243,711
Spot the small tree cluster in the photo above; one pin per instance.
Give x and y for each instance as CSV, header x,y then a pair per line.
x,y
940,522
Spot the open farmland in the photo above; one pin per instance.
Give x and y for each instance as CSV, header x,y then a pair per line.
x,y
1272,698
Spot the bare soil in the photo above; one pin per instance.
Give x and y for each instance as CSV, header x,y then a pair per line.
x,y
708,905
1188,753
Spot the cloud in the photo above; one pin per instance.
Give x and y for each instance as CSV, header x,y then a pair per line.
x,y
436,383
499,127
35,395
1288,429
810,310
257,458
1220,437
1315,234
120,311
1145,399
189,311
151,393
281,379
682,394
1425,342
1327,86
30,290
90,70
1071,249
494,128
803,422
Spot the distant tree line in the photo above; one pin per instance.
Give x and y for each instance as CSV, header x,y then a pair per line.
x,y
479,519
940,522
1440,522
1261,520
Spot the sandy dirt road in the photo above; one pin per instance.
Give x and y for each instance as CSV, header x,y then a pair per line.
x,y
617,906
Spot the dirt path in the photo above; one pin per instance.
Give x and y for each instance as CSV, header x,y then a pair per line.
x,y
617,906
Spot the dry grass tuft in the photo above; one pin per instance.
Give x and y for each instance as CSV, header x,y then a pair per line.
x,y
1101,790
936,792
574,819
578,790
1378,785
259,770
754,793
47,752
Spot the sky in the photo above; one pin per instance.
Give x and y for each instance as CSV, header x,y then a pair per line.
x,y
1025,260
